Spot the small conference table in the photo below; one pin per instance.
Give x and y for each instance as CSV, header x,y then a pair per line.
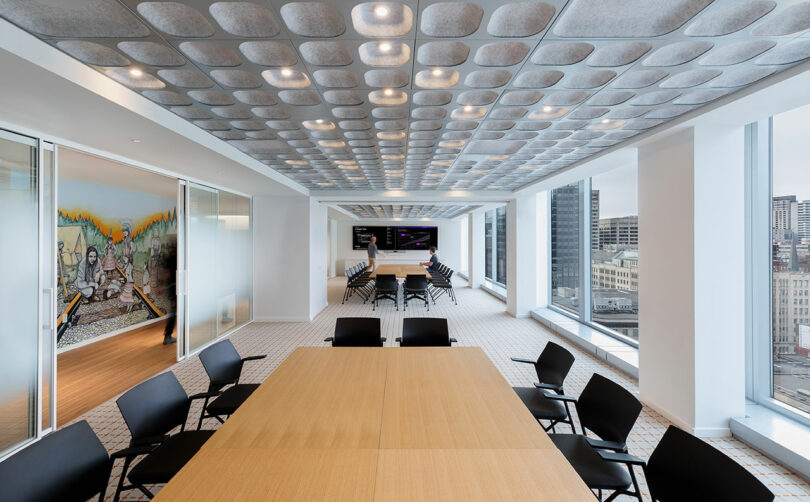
x,y
380,424
399,270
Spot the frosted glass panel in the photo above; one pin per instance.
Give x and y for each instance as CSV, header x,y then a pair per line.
x,y
19,295
47,282
203,287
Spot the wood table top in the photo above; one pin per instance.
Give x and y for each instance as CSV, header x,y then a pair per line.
x,y
374,424
399,270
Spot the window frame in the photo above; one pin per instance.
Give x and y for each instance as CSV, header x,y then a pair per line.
x,y
759,271
493,259
585,315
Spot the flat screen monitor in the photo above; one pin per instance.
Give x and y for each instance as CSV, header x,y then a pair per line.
x,y
416,238
361,236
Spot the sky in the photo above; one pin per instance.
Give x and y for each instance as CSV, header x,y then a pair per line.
x,y
618,192
791,153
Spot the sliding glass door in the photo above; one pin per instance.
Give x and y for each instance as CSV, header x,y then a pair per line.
x,y
20,294
202,266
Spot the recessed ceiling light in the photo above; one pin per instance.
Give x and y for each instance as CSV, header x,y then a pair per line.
x,y
135,72
384,47
497,157
286,72
388,92
605,121
296,162
468,108
437,72
547,109
319,121
325,184
135,140
381,11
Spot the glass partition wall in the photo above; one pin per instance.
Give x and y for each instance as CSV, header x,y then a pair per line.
x,y
26,300
219,257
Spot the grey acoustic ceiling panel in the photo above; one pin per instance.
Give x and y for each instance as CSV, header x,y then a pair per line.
x,y
425,95
407,211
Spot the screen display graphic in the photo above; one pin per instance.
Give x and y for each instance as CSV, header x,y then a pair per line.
x,y
361,236
416,238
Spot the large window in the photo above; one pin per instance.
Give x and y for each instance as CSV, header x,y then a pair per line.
x,y
614,250
566,220
594,252
495,246
790,259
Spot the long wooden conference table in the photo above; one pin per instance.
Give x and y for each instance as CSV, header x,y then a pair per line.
x,y
399,270
380,424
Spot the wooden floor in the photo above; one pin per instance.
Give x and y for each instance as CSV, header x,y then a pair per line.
x,y
89,375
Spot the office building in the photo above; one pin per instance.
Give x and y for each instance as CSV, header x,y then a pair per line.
x,y
583,194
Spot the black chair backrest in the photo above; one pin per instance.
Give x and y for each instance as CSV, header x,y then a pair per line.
x,y
386,282
154,407
70,464
553,364
357,332
222,363
425,332
416,282
683,467
607,409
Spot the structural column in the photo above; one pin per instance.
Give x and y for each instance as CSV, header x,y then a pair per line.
x,y
521,255
692,277
476,248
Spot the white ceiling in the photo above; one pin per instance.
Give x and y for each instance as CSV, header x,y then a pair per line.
x,y
483,96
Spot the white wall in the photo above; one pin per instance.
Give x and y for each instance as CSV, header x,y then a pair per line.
x,y
289,258
476,247
521,255
449,248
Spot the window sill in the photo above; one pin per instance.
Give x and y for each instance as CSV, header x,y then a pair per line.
x,y
777,436
495,290
614,352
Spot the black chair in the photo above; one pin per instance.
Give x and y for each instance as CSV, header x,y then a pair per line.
x,y
552,367
358,282
441,283
415,287
682,467
68,465
151,410
610,411
357,332
224,367
425,332
386,287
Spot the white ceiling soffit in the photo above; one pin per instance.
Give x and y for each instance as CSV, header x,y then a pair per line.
x,y
407,211
426,95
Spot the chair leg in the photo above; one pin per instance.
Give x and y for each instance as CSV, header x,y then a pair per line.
x,y
120,486
202,414
145,491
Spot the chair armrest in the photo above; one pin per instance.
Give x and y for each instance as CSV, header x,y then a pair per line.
x,y
149,441
328,339
606,445
253,358
453,340
547,386
623,458
398,339
561,397
203,395
383,339
521,360
133,451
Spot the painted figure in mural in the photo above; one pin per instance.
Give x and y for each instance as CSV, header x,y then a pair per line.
x,y
126,242
90,276
109,263
146,288
126,291
154,259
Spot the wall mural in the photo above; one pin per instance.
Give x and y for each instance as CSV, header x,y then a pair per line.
x,y
116,258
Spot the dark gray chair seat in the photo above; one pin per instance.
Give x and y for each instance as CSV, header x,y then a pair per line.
x,y
541,407
596,473
166,460
231,399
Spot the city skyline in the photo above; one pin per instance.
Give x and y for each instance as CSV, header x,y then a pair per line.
x,y
791,150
